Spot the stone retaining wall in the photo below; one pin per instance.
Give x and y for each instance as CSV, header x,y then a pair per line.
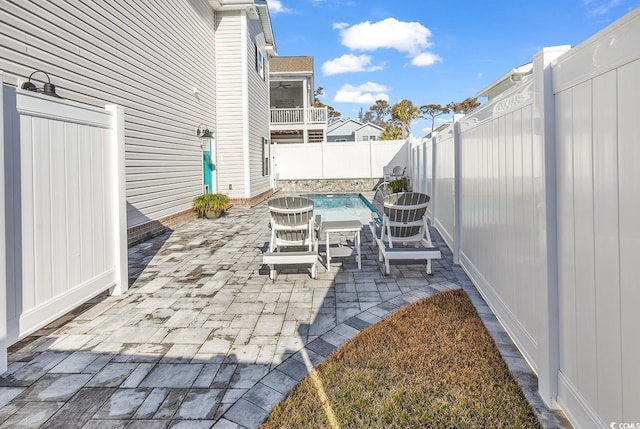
x,y
327,185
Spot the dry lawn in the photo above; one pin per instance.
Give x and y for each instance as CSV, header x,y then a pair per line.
x,y
430,365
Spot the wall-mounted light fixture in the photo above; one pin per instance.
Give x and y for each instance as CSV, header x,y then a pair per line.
x,y
204,132
47,89
205,135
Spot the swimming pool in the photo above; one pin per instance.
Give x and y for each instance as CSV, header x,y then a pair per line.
x,y
334,207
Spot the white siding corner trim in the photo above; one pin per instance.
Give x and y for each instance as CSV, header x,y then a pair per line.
x,y
245,104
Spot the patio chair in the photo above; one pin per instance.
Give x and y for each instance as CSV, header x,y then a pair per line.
x,y
375,224
293,235
397,173
404,233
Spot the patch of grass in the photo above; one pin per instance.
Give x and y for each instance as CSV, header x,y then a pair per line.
x,y
432,364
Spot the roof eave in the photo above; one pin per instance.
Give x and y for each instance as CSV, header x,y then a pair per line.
x,y
514,75
257,8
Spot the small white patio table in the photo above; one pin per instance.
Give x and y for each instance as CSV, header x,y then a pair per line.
x,y
342,227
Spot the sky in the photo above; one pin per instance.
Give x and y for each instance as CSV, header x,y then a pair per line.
x,y
429,52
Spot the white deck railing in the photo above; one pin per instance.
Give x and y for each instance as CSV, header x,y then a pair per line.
x,y
299,116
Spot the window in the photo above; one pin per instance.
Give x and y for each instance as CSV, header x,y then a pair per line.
x,y
373,138
265,156
365,138
259,63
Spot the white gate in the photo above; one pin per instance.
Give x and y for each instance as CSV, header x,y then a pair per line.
x,y
65,208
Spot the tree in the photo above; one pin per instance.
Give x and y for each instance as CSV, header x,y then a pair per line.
x,y
391,133
465,106
432,111
403,113
365,117
380,110
319,91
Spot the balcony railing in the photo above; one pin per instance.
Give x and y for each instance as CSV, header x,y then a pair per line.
x,y
299,115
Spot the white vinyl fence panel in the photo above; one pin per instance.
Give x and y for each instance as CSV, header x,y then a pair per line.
x,y
444,186
297,161
597,90
66,216
539,190
501,171
350,160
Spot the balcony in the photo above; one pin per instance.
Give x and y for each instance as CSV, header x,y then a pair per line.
x,y
299,124
299,116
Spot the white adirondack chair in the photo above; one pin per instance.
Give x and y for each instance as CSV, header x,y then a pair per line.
x,y
404,233
293,238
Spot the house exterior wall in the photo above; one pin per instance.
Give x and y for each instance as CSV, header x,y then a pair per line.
x,y
231,72
258,112
135,56
368,131
339,138
343,131
346,128
243,106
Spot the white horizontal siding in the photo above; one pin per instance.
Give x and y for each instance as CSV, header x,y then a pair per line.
x,y
230,135
259,112
139,55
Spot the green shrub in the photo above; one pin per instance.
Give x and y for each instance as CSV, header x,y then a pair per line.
x,y
398,185
210,205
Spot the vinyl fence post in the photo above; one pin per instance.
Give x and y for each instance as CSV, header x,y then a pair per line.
x,y
548,306
457,197
434,155
119,203
3,250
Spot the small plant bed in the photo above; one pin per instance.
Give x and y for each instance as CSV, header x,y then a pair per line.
x,y
430,365
398,185
210,206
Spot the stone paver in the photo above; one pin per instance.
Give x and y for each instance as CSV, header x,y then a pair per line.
x,y
203,338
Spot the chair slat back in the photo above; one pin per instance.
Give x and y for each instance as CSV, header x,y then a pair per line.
x,y
291,217
405,211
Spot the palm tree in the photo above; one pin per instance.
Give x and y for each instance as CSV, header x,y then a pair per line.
x,y
403,113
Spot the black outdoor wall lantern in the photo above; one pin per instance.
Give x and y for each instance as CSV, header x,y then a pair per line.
x,y
48,88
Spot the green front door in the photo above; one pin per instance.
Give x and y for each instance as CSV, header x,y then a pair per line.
x,y
208,167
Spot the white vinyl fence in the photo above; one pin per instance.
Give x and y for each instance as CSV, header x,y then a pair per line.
x,y
538,193
65,208
349,160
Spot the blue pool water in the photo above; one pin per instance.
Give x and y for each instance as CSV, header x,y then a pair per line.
x,y
342,207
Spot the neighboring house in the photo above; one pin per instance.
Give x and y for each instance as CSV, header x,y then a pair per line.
x,y
294,119
350,130
438,130
368,131
507,81
175,67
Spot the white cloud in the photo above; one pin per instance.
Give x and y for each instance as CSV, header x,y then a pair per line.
x,y
409,37
479,75
425,59
276,6
600,7
367,93
349,63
